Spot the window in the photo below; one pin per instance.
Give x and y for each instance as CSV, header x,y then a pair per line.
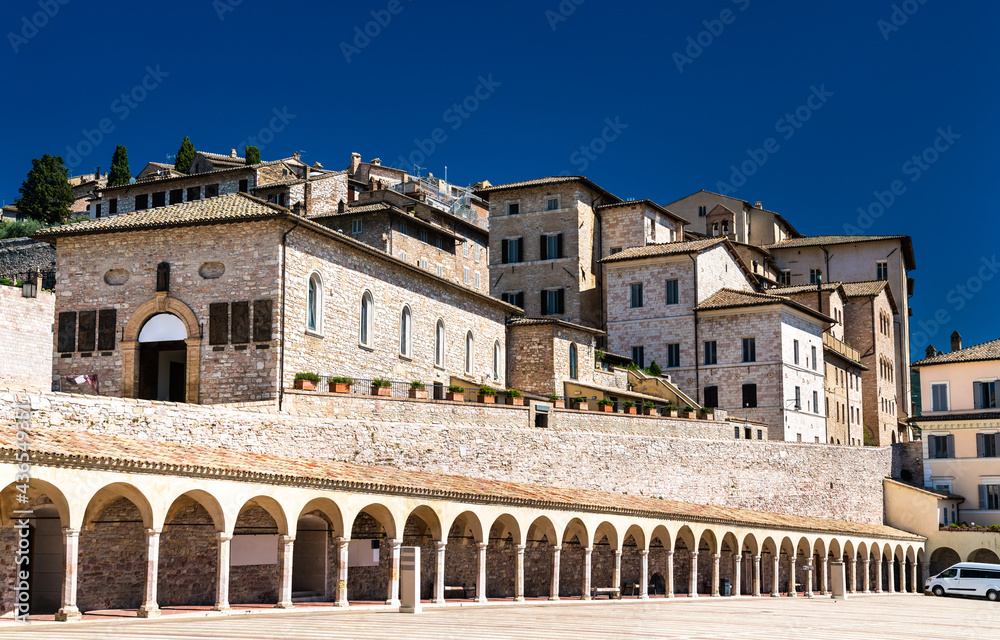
x,y
405,333
749,350
470,352
356,226
142,202
194,193
984,395
798,398
112,206
512,250
516,299
813,352
712,399
176,196
882,270
465,275
97,210
711,352
939,396
815,401
795,351
673,295
440,271
941,446
986,445
211,190
403,228
552,204
477,279
314,304
573,362
636,298
815,275
760,434
673,355
477,251
439,343
702,210
402,256
638,357
365,319
749,395
552,247
496,360
423,263
465,249
989,500
736,430
159,199
553,301
244,186
513,208
615,250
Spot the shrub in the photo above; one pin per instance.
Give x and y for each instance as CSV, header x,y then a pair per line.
x,y
689,408
633,366
706,410
654,369
580,400
603,402
418,385
311,377
648,404
19,228
599,355
342,380
487,391
379,383
456,388
6,282
995,527
513,393
628,404
554,398
671,406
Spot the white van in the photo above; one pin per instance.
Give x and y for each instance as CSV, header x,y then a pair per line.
x,y
967,579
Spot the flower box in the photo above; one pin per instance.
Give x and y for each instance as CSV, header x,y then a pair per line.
x,y
558,404
631,410
340,387
516,402
649,411
606,408
580,406
486,399
670,413
418,394
454,397
305,385
383,391
689,415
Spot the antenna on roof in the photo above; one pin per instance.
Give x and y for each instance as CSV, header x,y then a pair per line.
x,y
417,168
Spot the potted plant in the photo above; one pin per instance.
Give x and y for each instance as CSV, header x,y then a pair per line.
x,y
306,381
707,413
688,412
579,402
382,387
418,390
557,401
456,393
605,405
514,398
341,384
487,395
670,411
629,407
648,408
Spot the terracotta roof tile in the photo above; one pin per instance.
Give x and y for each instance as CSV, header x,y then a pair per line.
x,y
643,202
539,182
976,353
816,241
660,250
802,288
734,299
528,322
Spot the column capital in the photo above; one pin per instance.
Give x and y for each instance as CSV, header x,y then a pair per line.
x,y
222,536
153,532
482,545
588,550
395,543
737,558
694,554
618,553
520,548
285,539
643,553
715,557
557,548
70,533
756,558
440,545
670,552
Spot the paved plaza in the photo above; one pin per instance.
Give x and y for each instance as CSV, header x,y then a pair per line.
x,y
901,616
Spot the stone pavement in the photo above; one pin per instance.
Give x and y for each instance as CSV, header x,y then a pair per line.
x,y
902,616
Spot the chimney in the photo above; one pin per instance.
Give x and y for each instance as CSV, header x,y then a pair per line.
x,y
305,192
295,155
956,341
97,174
759,205
377,162
317,165
931,351
355,163
341,207
232,153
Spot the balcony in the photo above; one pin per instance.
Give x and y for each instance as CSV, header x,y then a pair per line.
x,y
840,347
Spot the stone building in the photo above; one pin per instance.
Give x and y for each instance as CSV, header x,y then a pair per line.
x,y
226,299
713,214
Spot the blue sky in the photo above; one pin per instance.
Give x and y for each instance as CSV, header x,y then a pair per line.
x,y
648,99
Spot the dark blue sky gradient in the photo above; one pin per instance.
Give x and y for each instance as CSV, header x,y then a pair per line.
x,y
550,91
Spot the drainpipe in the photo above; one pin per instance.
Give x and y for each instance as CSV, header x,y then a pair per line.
x,y
281,356
697,377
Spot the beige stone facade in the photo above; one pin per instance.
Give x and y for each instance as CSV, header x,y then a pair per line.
x,y
26,350
544,355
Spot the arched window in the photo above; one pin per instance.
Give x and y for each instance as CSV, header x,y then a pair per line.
x,y
573,368
367,315
470,352
314,304
439,343
405,333
496,360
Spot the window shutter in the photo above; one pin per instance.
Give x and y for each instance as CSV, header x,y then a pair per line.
x,y
261,320
218,323
559,246
519,299
520,249
560,301
107,325
951,446
241,322
977,395
544,253
504,245
88,331
979,445
931,448
983,502
67,332
545,300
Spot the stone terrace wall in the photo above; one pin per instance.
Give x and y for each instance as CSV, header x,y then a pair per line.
x,y
806,479
26,348
20,255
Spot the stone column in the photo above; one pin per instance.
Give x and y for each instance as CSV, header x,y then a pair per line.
x,y
554,585
285,589
693,583
791,576
71,553
149,608
222,574
341,595
756,576
852,568
715,575
866,578
737,574
824,580
670,573
810,580
481,582
616,573
644,574
913,577
439,572
519,574
587,552
878,575
774,579
394,546
890,568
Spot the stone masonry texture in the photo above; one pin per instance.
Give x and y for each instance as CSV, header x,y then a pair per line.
x,y
26,350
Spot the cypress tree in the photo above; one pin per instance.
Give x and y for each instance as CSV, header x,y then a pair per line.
x,y
45,192
253,155
120,173
185,156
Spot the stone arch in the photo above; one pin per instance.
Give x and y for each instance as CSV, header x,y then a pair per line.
x,y
606,529
130,344
461,561
189,549
984,555
467,524
205,500
660,541
507,526
36,489
942,558
382,514
273,509
751,545
108,494
422,529
505,536
330,510
542,527
430,518
638,535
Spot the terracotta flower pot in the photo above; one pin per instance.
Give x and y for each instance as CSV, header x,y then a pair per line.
x,y
305,385
517,402
670,413
383,391
559,404
340,387
486,399
418,394
455,397
580,406
649,412
606,408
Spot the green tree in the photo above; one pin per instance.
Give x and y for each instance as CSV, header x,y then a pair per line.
x,y
253,155
45,193
120,173
185,155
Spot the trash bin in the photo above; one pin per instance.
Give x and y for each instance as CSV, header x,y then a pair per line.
x,y
726,587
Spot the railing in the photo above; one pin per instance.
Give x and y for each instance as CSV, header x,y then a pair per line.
x,y
399,389
48,277
841,347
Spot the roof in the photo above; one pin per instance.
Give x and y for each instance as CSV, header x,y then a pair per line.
x,y
955,417
313,177
189,176
530,322
870,288
806,288
934,492
663,249
976,353
777,215
733,299
616,391
539,182
378,207
643,202
823,241
81,449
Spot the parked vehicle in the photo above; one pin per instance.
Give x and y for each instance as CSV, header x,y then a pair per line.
x,y
967,579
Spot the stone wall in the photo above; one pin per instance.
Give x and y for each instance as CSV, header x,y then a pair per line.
x,y
862,332
908,456
21,255
26,348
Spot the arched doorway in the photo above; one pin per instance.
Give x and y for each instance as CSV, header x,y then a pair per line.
x,y
163,359
46,558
